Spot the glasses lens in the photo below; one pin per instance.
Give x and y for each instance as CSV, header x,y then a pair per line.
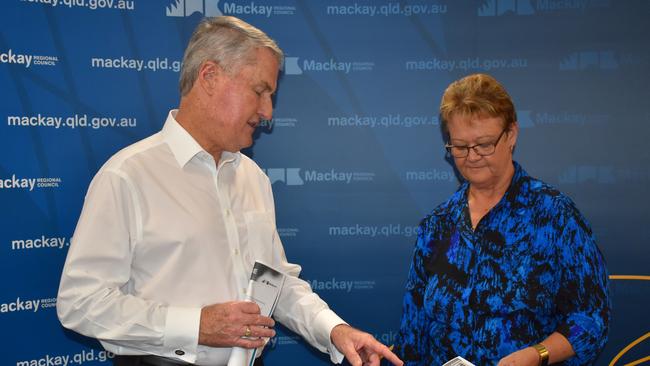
x,y
459,151
484,149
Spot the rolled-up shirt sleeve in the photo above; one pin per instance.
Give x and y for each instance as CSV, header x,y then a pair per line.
x,y
584,295
92,298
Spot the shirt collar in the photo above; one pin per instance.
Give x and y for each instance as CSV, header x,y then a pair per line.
x,y
516,194
184,146
520,174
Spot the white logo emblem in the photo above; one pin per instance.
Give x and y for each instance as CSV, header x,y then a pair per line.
x,y
290,176
185,8
492,8
291,66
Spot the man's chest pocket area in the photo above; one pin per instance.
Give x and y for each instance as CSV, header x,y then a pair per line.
x,y
259,236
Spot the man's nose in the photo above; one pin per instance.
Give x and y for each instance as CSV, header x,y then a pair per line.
x,y
266,108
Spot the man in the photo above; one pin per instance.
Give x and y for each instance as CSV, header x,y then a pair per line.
x,y
172,225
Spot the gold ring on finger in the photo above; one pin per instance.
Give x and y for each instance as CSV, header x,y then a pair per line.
x,y
248,332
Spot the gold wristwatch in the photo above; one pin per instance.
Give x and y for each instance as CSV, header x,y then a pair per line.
x,y
543,354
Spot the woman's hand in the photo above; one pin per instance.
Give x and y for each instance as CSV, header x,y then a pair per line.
x,y
524,357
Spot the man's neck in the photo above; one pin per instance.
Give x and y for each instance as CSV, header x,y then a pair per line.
x,y
190,122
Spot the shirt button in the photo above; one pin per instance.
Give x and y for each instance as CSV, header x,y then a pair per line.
x,y
179,352
227,212
236,251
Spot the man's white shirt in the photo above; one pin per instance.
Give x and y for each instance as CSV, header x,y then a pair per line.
x,y
165,231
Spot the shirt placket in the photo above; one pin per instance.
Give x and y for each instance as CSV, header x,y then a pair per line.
x,y
471,238
474,278
230,223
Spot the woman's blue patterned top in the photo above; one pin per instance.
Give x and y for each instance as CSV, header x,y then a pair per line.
x,y
530,268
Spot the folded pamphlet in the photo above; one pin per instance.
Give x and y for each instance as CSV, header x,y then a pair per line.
x,y
264,289
458,361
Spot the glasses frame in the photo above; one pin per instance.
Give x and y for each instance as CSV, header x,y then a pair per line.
x,y
494,144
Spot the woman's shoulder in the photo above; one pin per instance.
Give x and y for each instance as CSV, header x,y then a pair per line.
x,y
547,198
445,210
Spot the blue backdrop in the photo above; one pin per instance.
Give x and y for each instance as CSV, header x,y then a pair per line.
x,y
354,149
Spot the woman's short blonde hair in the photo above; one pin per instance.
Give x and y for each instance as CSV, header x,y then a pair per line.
x,y
477,95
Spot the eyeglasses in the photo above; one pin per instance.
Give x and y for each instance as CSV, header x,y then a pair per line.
x,y
484,149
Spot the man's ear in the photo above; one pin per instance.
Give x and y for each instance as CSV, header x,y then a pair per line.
x,y
208,76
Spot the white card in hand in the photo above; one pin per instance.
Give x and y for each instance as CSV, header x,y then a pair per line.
x,y
458,361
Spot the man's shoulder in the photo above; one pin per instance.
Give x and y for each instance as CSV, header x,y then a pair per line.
x,y
142,149
250,167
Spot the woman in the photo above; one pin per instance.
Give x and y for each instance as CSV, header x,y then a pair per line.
x,y
506,271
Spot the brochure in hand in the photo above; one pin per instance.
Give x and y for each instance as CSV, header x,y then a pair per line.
x,y
458,361
264,289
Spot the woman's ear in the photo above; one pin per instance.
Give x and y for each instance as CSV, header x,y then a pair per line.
x,y
513,134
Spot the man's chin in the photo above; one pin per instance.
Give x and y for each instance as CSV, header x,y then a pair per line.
x,y
244,145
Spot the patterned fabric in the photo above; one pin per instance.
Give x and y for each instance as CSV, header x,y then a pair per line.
x,y
530,268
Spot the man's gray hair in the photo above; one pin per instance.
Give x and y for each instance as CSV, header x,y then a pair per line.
x,y
226,40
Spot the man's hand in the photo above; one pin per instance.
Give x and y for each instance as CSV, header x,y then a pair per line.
x,y
225,325
361,348
524,357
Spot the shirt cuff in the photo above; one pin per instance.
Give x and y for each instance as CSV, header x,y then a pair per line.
x,y
586,337
182,333
325,321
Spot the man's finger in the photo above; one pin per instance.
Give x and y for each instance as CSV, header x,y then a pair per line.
x,y
385,352
262,320
248,307
256,320
374,359
370,358
352,356
249,343
257,331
